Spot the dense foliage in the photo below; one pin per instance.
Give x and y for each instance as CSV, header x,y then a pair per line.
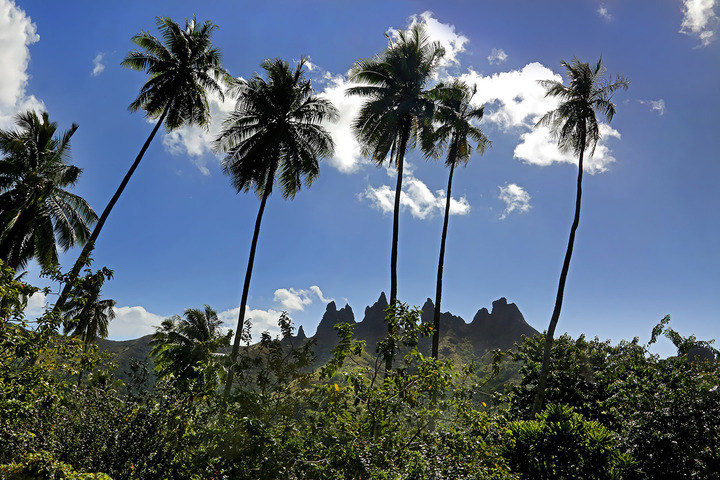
x,y
616,411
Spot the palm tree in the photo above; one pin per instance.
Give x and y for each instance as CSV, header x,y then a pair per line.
x,y
38,215
183,68
395,84
180,344
275,130
88,317
576,128
455,118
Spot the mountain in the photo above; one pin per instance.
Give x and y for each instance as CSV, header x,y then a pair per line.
x,y
501,327
461,342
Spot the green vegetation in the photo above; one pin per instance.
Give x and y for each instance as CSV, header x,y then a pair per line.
x,y
547,409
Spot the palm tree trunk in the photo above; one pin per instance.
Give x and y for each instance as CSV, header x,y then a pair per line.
x,y
90,244
441,263
246,285
545,370
404,134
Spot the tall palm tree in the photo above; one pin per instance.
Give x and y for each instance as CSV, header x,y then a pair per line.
x,y
456,128
88,317
574,124
395,83
274,131
183,68
179,344
38,215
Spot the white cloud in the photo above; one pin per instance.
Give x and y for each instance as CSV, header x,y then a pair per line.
x,y
291,299
655,105
133,322
514,98
260,320
516,199
316,290
347,157
98,66
17,33
537,147
604,13
35,305
497,55
700,19
516,101
416,197
197,141
443,33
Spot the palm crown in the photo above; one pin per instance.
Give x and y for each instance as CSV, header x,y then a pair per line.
x,y
183,68
455,123
37,214
87,316
182,343
574,122
395,84
276,127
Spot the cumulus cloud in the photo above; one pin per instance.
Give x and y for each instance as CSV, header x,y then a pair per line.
x,y
17,33
291,299
537,147
416,197
497,55
516,199
260,320
604,13
133,322
700,20
98,65
655,105
196,141
347,157
516,101
443,33
35,305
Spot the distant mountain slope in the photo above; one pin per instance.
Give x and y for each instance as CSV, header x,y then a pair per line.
x,y
460,342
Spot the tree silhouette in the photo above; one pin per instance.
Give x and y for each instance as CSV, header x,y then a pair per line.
x,y
274,131
38,216
395,84
183,68
574,124
455,129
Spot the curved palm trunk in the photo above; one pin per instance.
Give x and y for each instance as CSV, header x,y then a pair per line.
x,y
441,263
544,372
90,245
246,285
404,134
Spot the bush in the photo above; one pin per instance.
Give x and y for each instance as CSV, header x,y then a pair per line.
x,y
43,466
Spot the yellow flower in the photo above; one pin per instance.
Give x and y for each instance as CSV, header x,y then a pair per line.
x,y
483,404
337,389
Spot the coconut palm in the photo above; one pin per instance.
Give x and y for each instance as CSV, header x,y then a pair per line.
x,y
88,317
456,127
38,216
395,83
184,68
574,124
180,344
274,132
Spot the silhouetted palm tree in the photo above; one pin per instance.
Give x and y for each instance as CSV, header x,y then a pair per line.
x,y
88,317
576,128
395,83
275,131
37,214
180,344
183,68
455,120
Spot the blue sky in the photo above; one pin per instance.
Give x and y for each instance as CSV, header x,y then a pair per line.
x,y
179,237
